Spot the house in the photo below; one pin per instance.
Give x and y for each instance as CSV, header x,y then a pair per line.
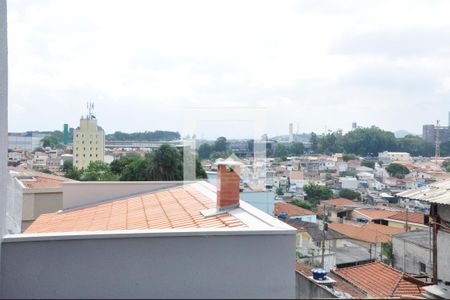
x,y
370,235
349,182
152,240
297,178
375,215
387,157
338,209
411,252
335,287
438,196
290,211
415,220
378,280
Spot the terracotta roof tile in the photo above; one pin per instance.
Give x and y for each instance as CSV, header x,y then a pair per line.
x,y
370,232
375,214
413,217
174,208
340,202
291,209
380,280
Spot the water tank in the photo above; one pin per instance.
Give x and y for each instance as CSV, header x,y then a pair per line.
x,y
282,215
319,274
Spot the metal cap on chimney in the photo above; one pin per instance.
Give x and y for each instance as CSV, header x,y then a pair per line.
x,y
228,186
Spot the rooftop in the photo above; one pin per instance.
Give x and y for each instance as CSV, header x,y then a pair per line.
x,y
340,285
417,237
379,280
413,217
369,232
438,192
340,202
171,208
376,214
291,209
296,175
314,231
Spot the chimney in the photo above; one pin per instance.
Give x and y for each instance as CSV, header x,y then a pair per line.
x,y
228,186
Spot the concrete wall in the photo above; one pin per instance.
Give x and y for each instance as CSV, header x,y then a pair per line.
x,y
307,289
443,261
148,265
407,257
37,202
76,194
3,117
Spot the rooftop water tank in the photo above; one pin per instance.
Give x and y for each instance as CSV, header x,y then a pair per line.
x,y
319,273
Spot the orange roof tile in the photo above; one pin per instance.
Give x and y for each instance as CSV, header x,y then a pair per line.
x,y
340,285
42,182
296,175
375,214
340,202
380,280
173,208
370,232
413,217
291,209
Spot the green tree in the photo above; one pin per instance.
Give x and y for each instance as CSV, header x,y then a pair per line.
x,y
415,145
167,164
349,194
387,253
67,165
138,170
98,171
397,170
446,165
368,163
118,165
314,142
331,142
50,141
199,170
302,203
350,156
347,173
280,151
296,148
279,191
221,144
369,141
74,174
445,149
316,192
204,151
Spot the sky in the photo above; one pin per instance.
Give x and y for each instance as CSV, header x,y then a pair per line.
x,y
320,65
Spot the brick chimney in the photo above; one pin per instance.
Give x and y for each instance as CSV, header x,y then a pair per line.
x,y
228,186
228,182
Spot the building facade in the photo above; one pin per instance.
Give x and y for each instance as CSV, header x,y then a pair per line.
x,y
88,142
429,133
25,141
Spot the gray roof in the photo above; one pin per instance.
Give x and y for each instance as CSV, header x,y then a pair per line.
x,y
314,231
417,237
438,192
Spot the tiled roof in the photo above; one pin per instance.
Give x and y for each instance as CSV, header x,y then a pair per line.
x,y
413,217
172,208
314,231
296,175
375,214
340,202
340,285
291,210
42,182
370,232
380,280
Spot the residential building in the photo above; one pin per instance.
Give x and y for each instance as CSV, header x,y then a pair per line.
x,y
429,133
338,210
375,215
38,161
88,142
387,157
297,179
349,182
378,280
156,242
290,211
412,252
410,220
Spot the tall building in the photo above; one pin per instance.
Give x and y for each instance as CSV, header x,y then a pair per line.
x,y
88,141
429,133
291,132
25,141
354,125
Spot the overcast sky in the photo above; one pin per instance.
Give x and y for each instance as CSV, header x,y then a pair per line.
x,y
318,64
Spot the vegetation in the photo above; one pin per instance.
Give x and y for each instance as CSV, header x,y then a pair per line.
x,y
50,141
158,135
220,145
204,151
302,203
280,151
296,149
347,173
67,165
279,191
415,145
164,164
316,192
386,251
350,156
349,194
445,149
397,170
446,165
314,142
368,163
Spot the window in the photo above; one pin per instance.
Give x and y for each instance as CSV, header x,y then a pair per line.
x,y
90,155
422,267
84,155
77,154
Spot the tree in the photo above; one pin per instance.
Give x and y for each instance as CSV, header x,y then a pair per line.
x,y
199,170
349,194
316,192
368,163
74,174
67,165
446,165
138,170
296,148
331,143
118,165
279,191
204,151
350,156
387,253
167,164
220,144
314,142
369,141
50,141
415,145
397,170
302,203
280,151
445,149
98,171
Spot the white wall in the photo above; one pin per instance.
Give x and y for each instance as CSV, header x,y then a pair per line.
x,y
212,265
3,118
